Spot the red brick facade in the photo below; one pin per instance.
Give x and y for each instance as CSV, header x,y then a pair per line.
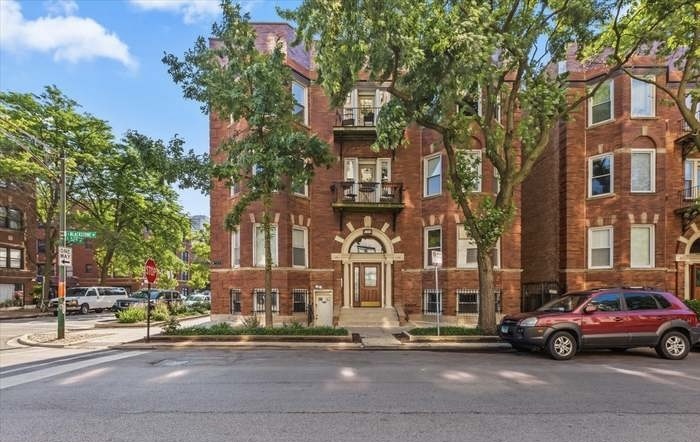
x,y
559,209
17,243
330,232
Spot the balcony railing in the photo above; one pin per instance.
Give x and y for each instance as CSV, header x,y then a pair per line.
x,y
352,193
357,117
689,205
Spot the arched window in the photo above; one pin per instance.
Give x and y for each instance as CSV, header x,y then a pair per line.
x,y
695,248
366,244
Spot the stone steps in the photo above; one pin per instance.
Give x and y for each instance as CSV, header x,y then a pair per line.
x,y
368,317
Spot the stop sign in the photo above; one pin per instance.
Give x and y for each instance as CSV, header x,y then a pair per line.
x,y
151,270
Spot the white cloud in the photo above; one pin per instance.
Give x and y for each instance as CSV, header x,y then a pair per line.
x,y
61,34
191,10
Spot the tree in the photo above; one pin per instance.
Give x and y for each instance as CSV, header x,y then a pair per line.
x,y
268,148
128,199
201,254
464,69
669,29
35,130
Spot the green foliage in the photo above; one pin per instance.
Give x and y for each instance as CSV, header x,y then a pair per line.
x,y
694,305
251,321
160,312
171,325
131,315
201,255
226,329
447,331
232,78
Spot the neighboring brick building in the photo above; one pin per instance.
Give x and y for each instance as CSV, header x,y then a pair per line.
x,y
364,228
614,198
17,239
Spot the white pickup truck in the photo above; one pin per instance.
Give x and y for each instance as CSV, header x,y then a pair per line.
x,y
85,299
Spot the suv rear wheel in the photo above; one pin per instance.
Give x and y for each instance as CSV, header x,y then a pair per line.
x,y
84,309
673,345
562,346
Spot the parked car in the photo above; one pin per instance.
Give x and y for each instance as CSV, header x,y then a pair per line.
x,y
197,298
612,318
139,298
85,299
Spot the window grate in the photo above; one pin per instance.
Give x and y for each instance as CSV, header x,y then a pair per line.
x,y
300,300
468,301
235,301
259,301
431,299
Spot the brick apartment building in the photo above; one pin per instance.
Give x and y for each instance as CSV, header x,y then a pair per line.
x,y
362,231
614,199
17,237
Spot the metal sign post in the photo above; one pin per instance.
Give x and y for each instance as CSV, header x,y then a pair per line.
x,y
151,271
437,262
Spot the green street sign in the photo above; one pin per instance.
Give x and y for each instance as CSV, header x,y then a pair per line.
x,y
73,236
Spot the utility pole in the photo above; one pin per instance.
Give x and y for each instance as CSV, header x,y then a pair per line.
x,y
62,241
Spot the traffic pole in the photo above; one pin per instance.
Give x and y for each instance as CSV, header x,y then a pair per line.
x,y
439,301
148,314
61,333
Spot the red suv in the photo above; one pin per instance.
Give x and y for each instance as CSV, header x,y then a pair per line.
x,y
614,318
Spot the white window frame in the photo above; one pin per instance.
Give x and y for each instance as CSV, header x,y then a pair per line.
x,y
425,174
306,246
652,166
611,86
425,245
652,248
236,249
306,190
379,169
634,81
275,244
306,100
590,250
465,242
590,175
234,188
355,169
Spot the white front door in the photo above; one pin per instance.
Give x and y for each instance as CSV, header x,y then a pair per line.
x,y
323,308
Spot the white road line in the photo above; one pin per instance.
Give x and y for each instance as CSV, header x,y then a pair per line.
x,y
20,379
57,361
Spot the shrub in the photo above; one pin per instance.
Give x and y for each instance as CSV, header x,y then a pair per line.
x,y
226,329
160,312
250,322
177,309
446,331
694,305
171,325
132,314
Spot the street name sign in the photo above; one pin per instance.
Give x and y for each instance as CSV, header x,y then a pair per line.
x,y
73,236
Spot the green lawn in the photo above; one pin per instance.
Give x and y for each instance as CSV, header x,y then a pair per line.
x,y
446,331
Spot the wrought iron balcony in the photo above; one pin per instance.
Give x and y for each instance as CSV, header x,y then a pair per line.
x,y
355,196
356,123
689,205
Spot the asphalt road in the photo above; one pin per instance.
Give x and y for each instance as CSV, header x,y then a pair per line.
x,y
293,395
12,328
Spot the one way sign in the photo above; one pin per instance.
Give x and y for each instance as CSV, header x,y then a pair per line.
x,y
65,256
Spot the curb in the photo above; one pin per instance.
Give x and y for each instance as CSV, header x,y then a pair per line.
x,y
454,338
293,339
24,340
188,345
28,316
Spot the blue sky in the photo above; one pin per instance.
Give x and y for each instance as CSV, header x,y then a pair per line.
x,y
105,54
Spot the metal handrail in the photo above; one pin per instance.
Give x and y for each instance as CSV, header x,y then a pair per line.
x,y
689,196
357,116
367,192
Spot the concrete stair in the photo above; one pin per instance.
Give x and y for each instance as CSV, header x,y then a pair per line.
x,y
368,317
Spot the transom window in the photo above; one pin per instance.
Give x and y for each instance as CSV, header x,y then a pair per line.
x,y
600,172
600,105
366,244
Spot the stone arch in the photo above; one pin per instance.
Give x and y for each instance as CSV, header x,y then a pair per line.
x,y
376,233
643,142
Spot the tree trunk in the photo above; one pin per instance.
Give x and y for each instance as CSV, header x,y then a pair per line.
x,y
487,297
104,266
268,268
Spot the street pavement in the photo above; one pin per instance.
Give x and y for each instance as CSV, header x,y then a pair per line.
x,y
316,395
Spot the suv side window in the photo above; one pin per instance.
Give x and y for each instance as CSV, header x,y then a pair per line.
x,y
640,301
91,292
607,302
103,291
663,302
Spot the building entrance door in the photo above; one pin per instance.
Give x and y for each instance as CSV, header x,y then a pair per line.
x,y
368,285
323,308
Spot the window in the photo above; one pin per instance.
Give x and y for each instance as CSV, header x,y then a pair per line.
x,y
640,301
643,173
236,248
88,268
600,172
3,257
14,218
259,245
433,241
235,300
259,300
3,216
299,300
691,179
467,301
301,188
235,188
366,244
466,250
300,98
663,302
643,98
432,300
471,160
432,175
40,246
299,240
642,246
350,169
600,251
601,104
607,302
